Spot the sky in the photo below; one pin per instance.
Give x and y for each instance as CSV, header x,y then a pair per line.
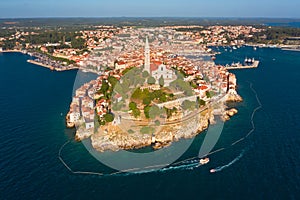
x,y
149,8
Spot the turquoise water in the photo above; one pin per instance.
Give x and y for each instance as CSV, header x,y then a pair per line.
x,y
266,165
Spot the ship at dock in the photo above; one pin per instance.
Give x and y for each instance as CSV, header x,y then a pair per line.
x,y
248,63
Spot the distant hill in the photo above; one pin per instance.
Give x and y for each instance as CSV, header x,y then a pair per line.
x,y
142,21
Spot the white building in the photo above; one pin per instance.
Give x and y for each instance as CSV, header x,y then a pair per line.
x,y
167,74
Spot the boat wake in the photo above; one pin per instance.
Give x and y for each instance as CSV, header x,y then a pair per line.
x,y
220,168
188,165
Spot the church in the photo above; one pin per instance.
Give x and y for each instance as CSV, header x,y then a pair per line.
x,y
157,69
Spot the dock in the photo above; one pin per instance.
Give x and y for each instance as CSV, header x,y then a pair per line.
x,y
52,67
41,64
240,66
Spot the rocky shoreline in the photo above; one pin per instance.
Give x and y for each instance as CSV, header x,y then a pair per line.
x,y
113,138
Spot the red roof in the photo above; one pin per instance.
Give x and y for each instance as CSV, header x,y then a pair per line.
x,y
121,63
153,67
203,87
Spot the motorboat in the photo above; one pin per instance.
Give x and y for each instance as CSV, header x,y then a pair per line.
x,y
204,161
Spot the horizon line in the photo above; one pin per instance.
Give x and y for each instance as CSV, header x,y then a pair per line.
x,y
143,17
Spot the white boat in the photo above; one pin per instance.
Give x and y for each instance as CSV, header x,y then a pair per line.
x,y
212,171
204,161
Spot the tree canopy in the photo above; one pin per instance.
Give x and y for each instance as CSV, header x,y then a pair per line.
x,y
151,80
161,81
109,117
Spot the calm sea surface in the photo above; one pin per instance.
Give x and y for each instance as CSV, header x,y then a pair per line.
x,y
34,101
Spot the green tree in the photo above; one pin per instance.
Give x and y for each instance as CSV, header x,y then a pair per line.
x,y
137,94
109,117
188,105
104,87
136,112
157,122
151,80
154,112
132,105
145,74
161,81
181,85
163,98
169,112
146,111
202,102
112,80
209,94
147,101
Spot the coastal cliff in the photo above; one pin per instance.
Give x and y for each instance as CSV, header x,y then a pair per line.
x,y
112,137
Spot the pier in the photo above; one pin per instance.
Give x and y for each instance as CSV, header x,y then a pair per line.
x,y
56,68
41,64
240,66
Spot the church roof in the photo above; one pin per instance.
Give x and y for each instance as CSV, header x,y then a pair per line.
x,y
154,65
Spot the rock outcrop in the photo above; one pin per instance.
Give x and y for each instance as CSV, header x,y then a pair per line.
x,y
233,97
229,113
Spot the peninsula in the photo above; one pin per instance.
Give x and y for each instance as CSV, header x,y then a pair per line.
x,y
154,95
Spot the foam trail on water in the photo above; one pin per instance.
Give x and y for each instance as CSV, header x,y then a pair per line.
x,y
188,165
220,168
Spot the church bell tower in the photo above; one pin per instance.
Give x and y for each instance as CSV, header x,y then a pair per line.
x,y
147,57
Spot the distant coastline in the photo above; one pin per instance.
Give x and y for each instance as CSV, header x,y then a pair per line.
x,y
13,51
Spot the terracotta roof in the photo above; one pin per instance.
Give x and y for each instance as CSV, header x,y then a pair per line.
x,y
153,67
203,87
